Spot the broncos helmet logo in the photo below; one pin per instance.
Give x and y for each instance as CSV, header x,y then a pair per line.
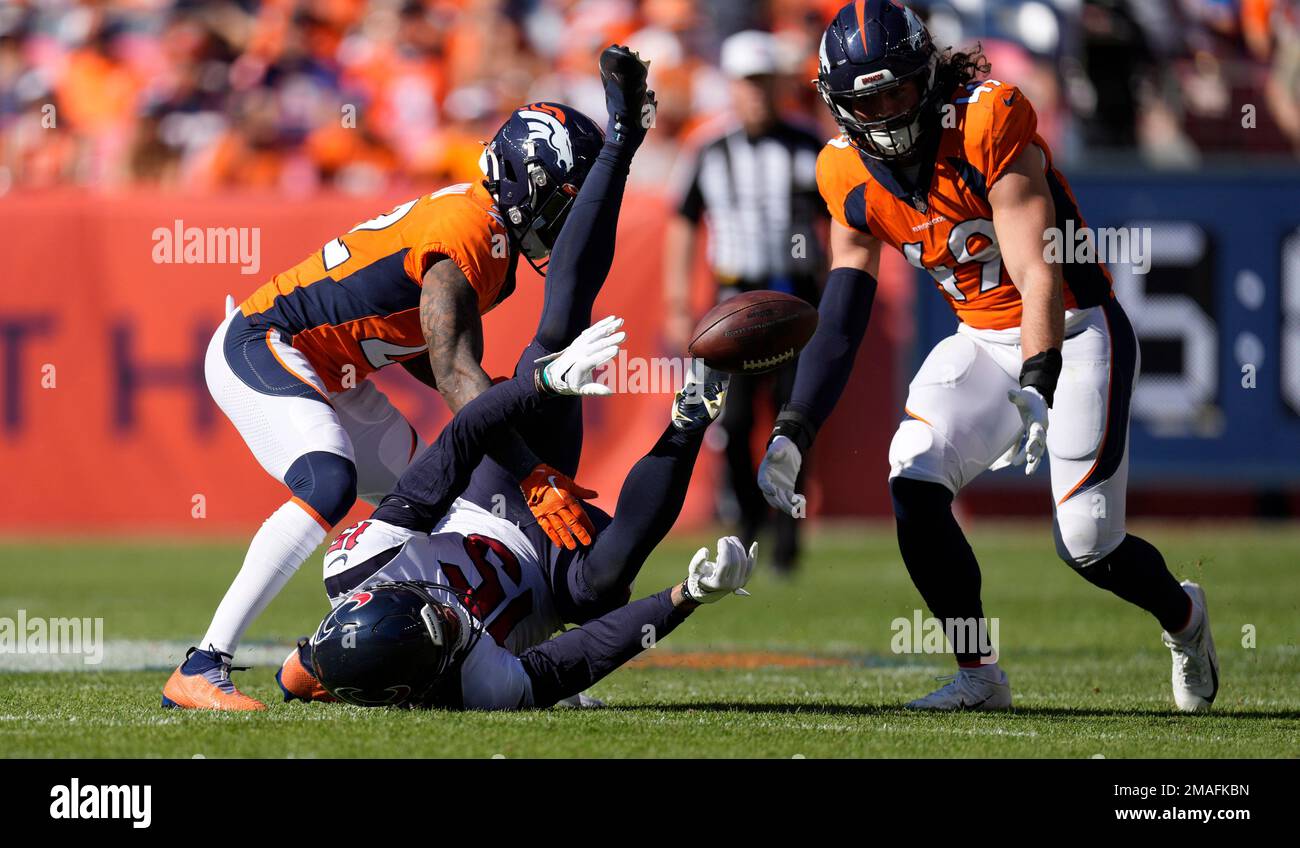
x,y
545,126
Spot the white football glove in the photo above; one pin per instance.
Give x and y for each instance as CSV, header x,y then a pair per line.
x,y
777,474
707,581
569,372
1032,444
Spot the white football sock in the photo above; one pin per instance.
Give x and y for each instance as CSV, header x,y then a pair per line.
x,y
988,671
283,543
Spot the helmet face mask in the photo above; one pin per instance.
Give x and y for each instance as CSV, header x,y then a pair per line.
x,y
878,75
534,166
549,206
883,103
441,623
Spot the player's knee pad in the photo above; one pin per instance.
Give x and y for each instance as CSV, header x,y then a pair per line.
x,y
1082,538
325,482
919,452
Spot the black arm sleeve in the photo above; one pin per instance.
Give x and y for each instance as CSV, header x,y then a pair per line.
x,y
825,364
437,476
577,658
507,447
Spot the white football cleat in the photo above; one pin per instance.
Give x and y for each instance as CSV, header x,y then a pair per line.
x,y
581,701
1196,666
971,689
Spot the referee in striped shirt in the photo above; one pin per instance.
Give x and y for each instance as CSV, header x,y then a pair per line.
x,y
755,186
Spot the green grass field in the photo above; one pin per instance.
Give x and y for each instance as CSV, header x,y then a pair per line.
x,y
1089,674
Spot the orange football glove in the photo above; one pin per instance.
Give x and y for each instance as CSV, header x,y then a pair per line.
x,y
553,498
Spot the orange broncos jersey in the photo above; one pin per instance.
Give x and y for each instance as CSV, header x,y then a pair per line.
x,y
356,301
946,227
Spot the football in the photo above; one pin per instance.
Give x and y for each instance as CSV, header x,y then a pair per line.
x,y
754,332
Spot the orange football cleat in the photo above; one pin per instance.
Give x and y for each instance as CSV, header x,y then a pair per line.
x,y
297,681
202,682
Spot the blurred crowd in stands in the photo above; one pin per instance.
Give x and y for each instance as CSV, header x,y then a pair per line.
x,y
368,95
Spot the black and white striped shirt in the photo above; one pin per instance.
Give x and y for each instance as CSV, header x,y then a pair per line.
x,y
759,197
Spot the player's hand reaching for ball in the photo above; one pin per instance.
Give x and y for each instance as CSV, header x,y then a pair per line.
x,y
570,372
553,498
777,475
708,580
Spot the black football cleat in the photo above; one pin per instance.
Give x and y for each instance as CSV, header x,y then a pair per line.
x,y
701,399
630,104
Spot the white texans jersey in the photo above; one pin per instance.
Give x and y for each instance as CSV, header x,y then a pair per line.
x,y
484,557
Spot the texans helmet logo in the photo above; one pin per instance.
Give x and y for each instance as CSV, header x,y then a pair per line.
x,y
545,126
354,601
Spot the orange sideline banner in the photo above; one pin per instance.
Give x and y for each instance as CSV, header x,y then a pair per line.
x,y
106,421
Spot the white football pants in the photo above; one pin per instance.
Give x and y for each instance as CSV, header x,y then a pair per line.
x,y
960,422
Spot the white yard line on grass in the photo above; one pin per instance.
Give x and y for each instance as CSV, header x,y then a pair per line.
x,y
136,655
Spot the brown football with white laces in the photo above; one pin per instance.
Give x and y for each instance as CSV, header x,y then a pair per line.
x,y
754,332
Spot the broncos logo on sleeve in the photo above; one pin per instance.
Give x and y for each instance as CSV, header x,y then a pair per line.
x,y
944,223
353,306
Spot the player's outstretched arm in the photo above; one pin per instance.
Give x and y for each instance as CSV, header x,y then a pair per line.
x,y
577,658
440,473
570,372
824,365
1023,212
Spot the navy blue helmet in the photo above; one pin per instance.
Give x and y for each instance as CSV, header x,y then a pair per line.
x,y
877,73
534,166
391,644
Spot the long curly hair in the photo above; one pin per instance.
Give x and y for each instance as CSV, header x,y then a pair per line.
x,y
961,67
